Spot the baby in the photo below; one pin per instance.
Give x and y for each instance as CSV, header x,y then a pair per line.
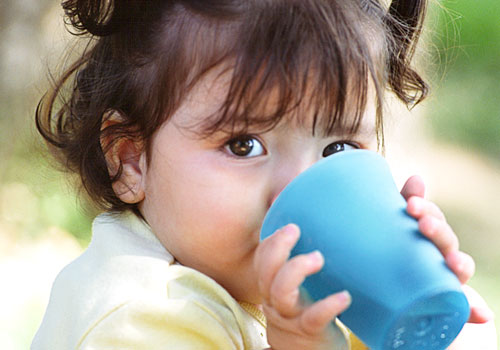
x,y
186,120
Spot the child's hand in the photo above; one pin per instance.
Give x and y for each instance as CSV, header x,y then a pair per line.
x,y
291,323
433,225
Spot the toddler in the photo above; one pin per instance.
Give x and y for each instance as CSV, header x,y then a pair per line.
x,y
186,119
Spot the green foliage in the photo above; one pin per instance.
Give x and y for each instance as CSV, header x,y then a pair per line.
x,y
34,196
466,106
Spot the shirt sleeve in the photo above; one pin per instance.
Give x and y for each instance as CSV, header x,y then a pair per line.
x,y
163,324
354,342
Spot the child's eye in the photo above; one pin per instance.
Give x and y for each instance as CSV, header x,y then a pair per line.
x,y
339,146
245,146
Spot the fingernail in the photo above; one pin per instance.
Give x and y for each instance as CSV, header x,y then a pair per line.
x,y
289,230
344,297
316,257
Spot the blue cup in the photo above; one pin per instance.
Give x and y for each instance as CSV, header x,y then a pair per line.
x,y
348,207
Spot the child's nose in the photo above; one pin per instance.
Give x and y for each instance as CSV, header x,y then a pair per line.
x,y
285,175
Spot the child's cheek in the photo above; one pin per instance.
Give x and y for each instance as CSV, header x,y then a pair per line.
x,y
234,214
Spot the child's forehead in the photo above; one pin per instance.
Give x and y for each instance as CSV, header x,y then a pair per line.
x,y
211,107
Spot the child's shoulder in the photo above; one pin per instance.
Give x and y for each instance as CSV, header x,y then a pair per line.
x,y
123,259
126,276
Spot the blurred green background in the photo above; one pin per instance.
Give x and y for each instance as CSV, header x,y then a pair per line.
x,y
452,140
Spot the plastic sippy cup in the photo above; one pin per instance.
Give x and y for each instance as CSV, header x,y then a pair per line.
x,y
348,207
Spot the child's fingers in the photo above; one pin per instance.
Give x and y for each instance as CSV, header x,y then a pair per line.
x,y
317,316
480,312
440,233
433,225
461,264
419,207
414,186
271,254
284,292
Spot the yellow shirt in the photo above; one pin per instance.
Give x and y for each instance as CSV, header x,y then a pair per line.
x,y
126,292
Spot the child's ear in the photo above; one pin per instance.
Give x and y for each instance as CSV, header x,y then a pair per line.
x,y
124,156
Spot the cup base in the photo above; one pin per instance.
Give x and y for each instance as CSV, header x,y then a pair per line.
x,y
429,324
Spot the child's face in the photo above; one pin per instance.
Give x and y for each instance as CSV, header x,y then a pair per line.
x,y
206,198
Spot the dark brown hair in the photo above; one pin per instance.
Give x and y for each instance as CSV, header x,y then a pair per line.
x,y
144,56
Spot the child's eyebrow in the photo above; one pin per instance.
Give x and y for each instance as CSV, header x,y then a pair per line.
x,y
347,126
365,129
